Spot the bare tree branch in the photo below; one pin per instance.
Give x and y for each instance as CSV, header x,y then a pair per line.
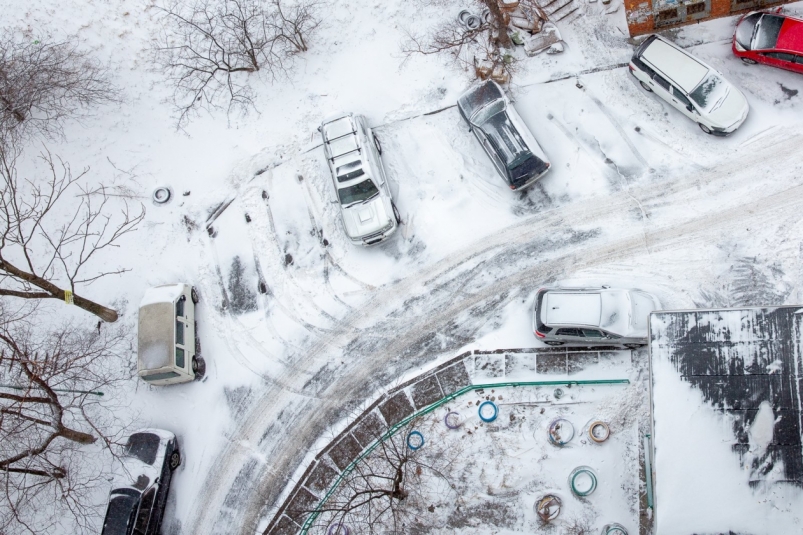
x,y
44,256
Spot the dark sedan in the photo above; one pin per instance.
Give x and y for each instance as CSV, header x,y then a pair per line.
x,y
512,148
137,501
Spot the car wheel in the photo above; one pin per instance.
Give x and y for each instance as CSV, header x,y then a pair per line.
x,y
748,61
175,460
377,144
198,367
704,128
553,343
645,86
632,346
396,213
194,295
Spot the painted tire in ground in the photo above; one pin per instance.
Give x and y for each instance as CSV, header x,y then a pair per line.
x,y
415,440
161,195
488,411
338,529
452,420
548,507
599,431
560,432
582,481
614,529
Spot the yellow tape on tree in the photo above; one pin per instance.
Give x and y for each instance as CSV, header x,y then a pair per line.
x,y
68,297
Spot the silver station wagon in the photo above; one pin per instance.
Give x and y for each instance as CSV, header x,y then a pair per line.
x,y
592,316
353,155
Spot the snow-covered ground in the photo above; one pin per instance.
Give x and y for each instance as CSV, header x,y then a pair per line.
x,y
298,334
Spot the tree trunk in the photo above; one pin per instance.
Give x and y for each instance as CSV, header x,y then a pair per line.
x,y
498,23
104,313
76,436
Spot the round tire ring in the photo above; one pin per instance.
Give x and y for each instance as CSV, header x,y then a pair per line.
x,y
161,195
548,507
482,410
587,481
338,529
599,431
415,440
452,420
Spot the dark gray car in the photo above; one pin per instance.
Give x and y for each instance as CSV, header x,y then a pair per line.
x,y
512,148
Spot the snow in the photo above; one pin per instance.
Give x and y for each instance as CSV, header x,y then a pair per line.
x,y
636,196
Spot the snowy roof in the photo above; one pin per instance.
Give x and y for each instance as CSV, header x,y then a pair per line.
x,y
155,335
167,293
572,308
478,96
338,127
729,379
682,68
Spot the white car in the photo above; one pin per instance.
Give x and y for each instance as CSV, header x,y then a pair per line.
x,y
694,88
592,316
353,155
166,337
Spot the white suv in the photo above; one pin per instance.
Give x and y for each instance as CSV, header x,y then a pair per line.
x,y
352,153
697,90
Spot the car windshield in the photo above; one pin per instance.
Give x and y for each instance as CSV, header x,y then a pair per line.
x,y
486,112
143,446
349,171
710,92
357,193
767,30
746,30
120,514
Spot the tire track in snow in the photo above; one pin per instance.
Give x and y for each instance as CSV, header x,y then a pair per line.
x,y
664,233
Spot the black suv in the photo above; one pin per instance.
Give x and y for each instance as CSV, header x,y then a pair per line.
x,y
137,504
512,148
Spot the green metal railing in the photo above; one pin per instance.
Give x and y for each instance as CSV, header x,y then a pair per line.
x,y
392,431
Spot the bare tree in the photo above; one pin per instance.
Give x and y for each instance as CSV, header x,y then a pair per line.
x,y
209,47
393,489
483,48
43,82
47,242
52,417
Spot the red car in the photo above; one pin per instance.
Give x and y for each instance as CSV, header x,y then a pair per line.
x,y
770,38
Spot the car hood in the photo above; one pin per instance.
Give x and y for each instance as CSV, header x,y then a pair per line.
x,y
366,218
731,110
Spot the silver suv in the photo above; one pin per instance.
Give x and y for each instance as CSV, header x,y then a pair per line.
x,y
512,148
353,155
592,316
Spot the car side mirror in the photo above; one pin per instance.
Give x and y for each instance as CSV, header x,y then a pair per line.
x,y
690,107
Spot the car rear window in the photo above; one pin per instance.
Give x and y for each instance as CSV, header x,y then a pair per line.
x,y
143,446
532,166
120,514
349,171
767,34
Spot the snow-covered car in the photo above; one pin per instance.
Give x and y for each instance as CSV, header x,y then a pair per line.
x,y
593,316
138,497
353,155
771,39
515,153
167,343
689,85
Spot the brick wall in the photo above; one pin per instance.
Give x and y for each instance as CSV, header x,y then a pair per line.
x,y
647,16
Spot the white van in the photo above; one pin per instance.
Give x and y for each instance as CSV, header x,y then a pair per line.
x,y
695,89
166,352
